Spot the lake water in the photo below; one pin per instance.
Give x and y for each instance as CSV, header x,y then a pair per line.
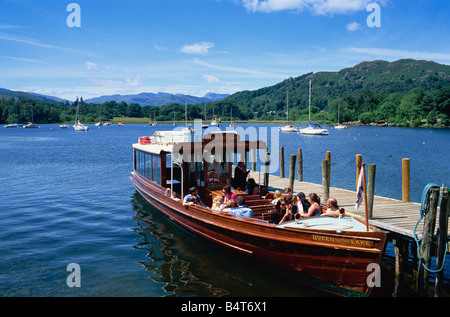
x,y
66,198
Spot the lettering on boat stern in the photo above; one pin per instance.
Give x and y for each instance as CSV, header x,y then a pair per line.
x,y
345,241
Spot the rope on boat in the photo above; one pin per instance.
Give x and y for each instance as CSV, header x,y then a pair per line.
x,y
423,212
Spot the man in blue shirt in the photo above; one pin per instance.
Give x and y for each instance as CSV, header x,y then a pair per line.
x,y
193,193
240,209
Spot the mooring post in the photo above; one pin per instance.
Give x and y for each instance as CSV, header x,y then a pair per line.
x,y
325,181
328,158
358,168
282,162
442,240
427,241
300,165
292,172
370,189
405,180
254,160
401,254
266,168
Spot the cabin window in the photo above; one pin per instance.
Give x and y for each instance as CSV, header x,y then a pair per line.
x,y
149,166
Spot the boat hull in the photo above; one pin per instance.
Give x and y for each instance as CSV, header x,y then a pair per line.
x,y
335,262
311,131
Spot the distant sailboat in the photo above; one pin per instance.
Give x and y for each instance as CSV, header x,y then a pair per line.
x,y
78,126
154,123
232,125
214,121
186,129
288,127
100,123
11,116
205,125
339,125
314,128
31,124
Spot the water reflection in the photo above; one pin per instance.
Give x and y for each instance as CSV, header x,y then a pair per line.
x,y
165,263
191,266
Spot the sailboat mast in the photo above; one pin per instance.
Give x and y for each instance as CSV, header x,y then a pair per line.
x,y
309,100
287,106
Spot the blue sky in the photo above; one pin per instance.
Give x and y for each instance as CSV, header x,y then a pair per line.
x,y
199,46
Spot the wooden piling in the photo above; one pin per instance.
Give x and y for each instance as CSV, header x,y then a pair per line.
x,y
401,255
328,158
370,189
266,168
358,168
292,172
442,240
300,165
405,180
253,160
427,242
282,162
325,181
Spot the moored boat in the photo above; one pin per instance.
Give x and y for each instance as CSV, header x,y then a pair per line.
x,y
12,125
288,127
30,125
313,128
332,254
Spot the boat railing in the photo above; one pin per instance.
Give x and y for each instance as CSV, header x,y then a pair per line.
x,y
171,176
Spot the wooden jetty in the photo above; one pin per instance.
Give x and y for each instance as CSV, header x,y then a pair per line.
x,y
403,220
389,214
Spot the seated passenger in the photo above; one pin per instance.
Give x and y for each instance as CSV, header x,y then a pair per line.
x,y
251,187
302,203
277,197
193,192
233,208
228,194
278,212
218,204
291,209
333,208
315,209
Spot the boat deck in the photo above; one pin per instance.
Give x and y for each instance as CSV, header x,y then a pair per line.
x,y
346,223
389,214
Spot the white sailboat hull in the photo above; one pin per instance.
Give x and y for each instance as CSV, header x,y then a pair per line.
x,y
288,128
312,131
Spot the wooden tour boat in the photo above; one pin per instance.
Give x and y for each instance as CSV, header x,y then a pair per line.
x,y
333,254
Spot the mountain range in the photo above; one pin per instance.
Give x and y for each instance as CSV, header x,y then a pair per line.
x,y
143,99
158,99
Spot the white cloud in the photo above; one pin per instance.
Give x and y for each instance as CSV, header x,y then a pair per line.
x,y
211,79
36,43
90,66
353,26
161,48
319,7
197,48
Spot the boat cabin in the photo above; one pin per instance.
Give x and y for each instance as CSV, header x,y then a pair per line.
x,y
178,160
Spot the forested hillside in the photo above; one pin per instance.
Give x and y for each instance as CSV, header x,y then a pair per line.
x,y
403,93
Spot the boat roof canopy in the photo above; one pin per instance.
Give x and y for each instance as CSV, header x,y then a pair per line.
x,y
179,142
